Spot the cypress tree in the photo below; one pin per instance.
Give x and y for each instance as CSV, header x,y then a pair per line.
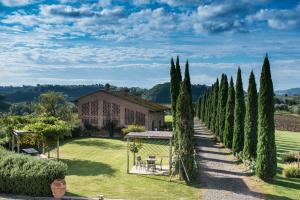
x,y
250,137
222,111
211,107
185,130
215,104
174,90
189,86
229,120
178,69
188,79
239,115
198,107
266,162
217,125
203,108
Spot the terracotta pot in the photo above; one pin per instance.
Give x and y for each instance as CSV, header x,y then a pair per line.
x,y
58,187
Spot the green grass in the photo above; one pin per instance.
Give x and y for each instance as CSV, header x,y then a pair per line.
x,y
281,187
98,166
168,118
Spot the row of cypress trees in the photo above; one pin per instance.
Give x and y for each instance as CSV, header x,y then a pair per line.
x,y
183,118
247,128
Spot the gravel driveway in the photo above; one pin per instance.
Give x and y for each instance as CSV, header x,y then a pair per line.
x,y
220,176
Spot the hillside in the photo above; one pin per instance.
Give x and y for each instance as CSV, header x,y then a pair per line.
x,y
289,92
159,93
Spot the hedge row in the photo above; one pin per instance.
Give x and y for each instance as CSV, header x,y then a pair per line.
x,y
27,175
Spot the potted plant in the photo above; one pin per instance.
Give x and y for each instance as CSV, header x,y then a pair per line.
x,y
58,188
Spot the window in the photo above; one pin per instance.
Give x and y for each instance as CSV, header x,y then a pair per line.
x,y
140,118
129,117
94,121
94,108
106,109
85,108
116,113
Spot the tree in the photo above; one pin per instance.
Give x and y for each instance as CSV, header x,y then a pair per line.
x,y
203,107
178,69
266,162
222,104
239,115
250,137
189,85
187,78
174,90
215,105
54,104
185,131
229,120
198,110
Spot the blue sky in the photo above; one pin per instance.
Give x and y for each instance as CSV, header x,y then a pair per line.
x,y
130,43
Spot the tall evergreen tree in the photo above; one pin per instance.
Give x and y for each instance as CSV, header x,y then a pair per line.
x,y
217,124
239,115
178,69
266,162
187,77
174,90
250,137
222,111
211,107
185,130
203,108
215,105
198,107
229,120
189,85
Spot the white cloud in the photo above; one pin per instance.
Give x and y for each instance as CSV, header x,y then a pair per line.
x,y
278,18
15,3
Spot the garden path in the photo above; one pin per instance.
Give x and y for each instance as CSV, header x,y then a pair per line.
x,y
219,175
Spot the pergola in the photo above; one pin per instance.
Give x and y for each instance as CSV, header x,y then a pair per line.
x,y
153,143
16,140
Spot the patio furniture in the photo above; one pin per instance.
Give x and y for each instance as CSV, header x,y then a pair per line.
x,y
30,151
160,163
151,163
139,162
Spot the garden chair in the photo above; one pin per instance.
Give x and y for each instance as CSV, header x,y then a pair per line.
x,y
160,163
139,162
151,163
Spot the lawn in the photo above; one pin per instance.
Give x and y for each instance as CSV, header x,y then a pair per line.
x,y
281,187
168,118
98,166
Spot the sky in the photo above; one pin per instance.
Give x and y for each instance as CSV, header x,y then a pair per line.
x,y
130,43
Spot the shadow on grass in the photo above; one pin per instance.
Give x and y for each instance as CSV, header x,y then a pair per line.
x,y
97,143
88,168
287,182
194,183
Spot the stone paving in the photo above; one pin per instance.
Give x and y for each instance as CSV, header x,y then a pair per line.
x,y
219,175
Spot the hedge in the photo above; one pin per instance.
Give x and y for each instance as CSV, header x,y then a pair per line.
x,y
27,175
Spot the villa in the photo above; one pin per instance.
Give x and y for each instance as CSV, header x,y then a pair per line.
x,y
103,106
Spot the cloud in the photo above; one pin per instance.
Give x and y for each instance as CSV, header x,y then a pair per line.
x,y
15,3
278,18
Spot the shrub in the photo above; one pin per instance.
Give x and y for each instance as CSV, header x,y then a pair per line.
x,y
27,175
289,157
291,171
133,128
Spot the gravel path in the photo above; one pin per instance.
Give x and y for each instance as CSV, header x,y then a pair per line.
x,y
220,176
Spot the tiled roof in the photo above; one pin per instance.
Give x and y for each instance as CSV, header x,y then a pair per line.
x,y
134,99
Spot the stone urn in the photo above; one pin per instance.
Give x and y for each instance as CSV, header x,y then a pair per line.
x,y
58,187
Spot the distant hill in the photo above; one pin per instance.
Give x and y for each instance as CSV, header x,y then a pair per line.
x,y
159,93
289,92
